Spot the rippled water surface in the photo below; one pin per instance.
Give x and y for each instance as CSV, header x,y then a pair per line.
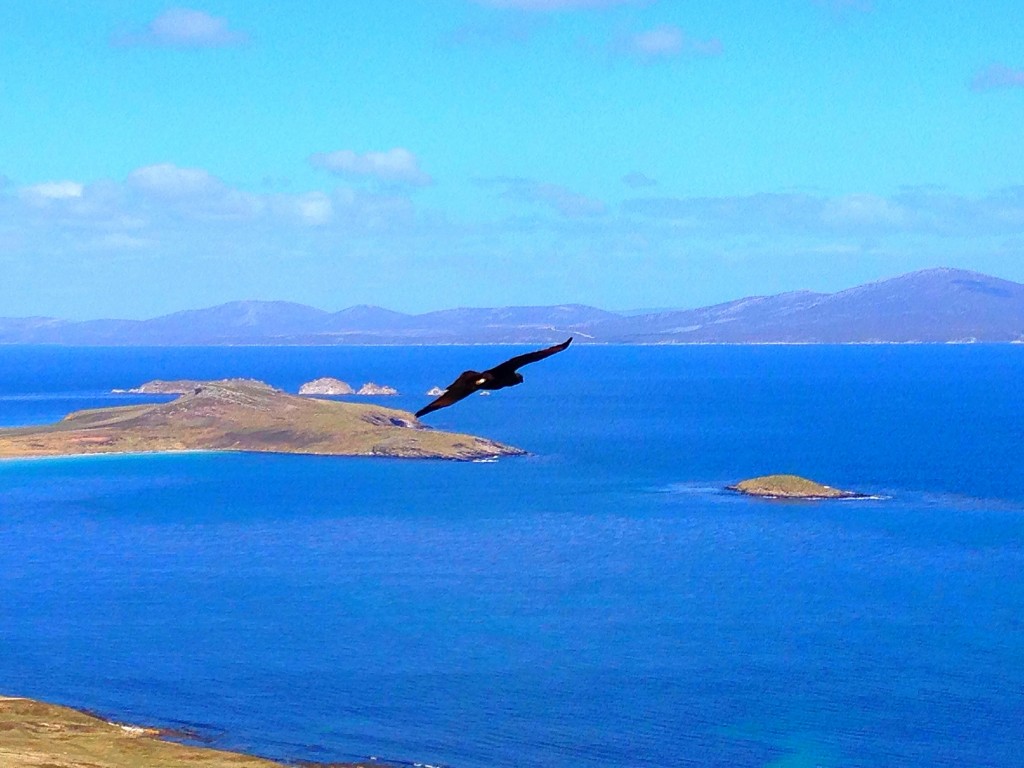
x,y
600,603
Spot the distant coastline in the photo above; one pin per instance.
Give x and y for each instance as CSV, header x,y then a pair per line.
x,y
933,306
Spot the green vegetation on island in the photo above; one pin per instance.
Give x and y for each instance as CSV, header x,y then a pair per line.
x,y
246,415
38,735
790,487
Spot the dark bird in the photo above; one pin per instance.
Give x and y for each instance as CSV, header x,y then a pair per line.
x,y
498,377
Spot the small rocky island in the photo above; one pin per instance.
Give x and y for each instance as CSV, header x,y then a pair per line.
x,y
39,735
370,388
791,487
245,415
326,386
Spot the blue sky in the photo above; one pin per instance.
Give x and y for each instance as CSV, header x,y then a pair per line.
x,y
422,154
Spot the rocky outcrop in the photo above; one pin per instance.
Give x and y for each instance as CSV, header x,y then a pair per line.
x,y
369,388
790,487
435,392
326,386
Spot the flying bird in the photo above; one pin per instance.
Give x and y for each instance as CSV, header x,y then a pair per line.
x,y
500,376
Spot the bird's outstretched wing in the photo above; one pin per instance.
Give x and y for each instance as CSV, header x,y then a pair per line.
x,y
464,386
510,366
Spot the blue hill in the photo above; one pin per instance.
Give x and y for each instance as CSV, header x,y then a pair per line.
x,y
933,305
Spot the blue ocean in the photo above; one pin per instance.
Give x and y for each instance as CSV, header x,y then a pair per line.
x,y
601,603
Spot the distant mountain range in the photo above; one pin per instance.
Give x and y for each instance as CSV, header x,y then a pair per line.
x,y
934,305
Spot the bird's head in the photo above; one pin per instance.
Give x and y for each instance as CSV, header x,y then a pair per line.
x,y
518,377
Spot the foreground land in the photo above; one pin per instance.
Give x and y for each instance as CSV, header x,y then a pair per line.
x,y
38,735
246,415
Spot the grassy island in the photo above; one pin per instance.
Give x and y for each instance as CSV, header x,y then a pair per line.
x,y
246,415
790,487
38,735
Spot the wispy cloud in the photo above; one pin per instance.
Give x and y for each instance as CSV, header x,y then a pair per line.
x,y
54,190
180,234
167,189
556,197
393,166
911,211
555,5
315,208
165,197
171,181
168,206
665,42
189,193
638,180
178,224
184,28
997,76
760,212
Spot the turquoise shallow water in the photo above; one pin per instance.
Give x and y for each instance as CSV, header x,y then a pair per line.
x,y
599,603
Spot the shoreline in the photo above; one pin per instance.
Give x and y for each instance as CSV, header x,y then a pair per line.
x,y
36,734
238,452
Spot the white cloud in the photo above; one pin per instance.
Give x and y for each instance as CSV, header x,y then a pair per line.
x,y
915,211
169,180
396,165
998,76
764,211
185,28
664,42
192,192
868,210
185,227
314,208
55,190
165,208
